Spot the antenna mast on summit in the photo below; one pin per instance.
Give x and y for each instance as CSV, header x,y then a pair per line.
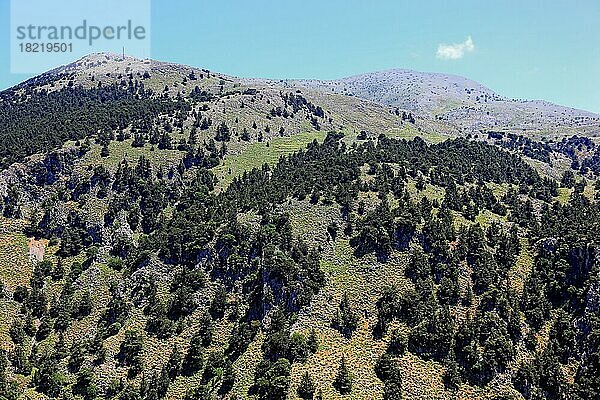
x,y
123,53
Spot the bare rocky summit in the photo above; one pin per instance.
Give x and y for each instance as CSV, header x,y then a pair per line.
x,y
466,104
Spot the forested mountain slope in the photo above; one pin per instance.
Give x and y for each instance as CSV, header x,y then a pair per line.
x,y
173,233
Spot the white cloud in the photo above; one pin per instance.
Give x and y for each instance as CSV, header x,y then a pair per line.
x,y
455,51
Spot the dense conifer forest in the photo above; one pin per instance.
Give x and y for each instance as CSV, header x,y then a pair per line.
x,y
167,275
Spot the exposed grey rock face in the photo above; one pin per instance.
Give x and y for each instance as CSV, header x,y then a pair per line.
x,y
468,105
419,91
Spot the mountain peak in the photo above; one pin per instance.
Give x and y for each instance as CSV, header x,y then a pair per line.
x,y
463,102
466,104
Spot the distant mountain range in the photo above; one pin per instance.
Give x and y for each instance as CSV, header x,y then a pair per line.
x,y
461,101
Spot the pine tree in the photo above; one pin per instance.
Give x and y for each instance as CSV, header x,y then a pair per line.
x,y
44,329
173,365
201,392
58,271
194,358
138,140
383,366
165,142
398,342
306,388
223,133
96,348
343,381
84,306
245,135
85,385
272,379
104,152
452,378
392,389
205,124
205,329
130,352
76,357
313,341
346,320
218,303
228,377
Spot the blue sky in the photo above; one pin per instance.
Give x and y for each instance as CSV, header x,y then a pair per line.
x,y
522,49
